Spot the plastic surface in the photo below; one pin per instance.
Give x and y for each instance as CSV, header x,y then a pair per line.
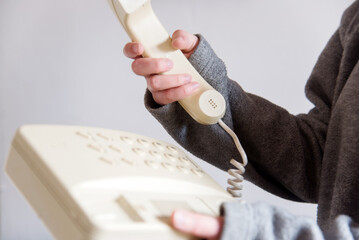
x,y
143,26
91,183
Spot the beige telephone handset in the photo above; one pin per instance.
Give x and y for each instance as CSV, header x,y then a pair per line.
x,y
207,105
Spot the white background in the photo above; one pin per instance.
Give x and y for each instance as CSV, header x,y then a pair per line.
x,y
61,62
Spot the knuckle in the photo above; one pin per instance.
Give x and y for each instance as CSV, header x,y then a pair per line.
x,y
179,80
158,65
158,99
170,96
153,83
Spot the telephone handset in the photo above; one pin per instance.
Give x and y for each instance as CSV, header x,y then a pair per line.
x,y
206,106
92,183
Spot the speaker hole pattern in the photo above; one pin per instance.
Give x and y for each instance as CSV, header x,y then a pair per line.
x,y
212,103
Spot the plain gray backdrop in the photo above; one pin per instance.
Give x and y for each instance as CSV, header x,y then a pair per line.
x,y
61,62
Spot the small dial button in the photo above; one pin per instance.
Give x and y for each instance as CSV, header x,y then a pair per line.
x,y
151,164
103,137
158,145
155,154
115,148
172,149
97,147
185,160
168,166
109,161
170,157
183,169
197,172
83,135
128,161
127,140
139,151
143,142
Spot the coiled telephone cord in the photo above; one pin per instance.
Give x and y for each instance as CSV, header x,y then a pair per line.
x,y
237,173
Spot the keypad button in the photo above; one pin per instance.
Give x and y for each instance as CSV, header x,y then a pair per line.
x,y
168,166
183,169
155,154
128,161
97,147
115,148
143,142
151,164
103,137
172,149
83,135
197,172
170,157
185,160
127,140
109,161
139,152
91,137
158,145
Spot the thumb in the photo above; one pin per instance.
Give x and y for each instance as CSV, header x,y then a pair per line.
x,y
184,41
198,225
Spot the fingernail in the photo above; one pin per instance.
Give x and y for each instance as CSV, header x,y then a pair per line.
x,y
187,78
193,87
135,49
179,39
169,64
181,221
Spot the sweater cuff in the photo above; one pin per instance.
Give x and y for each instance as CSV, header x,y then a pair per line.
x,y
237,220
209,65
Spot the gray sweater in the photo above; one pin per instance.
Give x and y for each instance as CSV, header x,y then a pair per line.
x,y
310,157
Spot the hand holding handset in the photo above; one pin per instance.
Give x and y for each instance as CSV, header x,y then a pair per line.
x,y
206,106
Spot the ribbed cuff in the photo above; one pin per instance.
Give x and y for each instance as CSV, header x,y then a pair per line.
x,y
237,220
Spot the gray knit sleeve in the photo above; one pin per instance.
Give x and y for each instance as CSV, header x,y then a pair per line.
x,y
285,161
262,221
245,107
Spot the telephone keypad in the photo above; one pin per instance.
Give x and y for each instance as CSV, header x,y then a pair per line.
x,y
153,154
